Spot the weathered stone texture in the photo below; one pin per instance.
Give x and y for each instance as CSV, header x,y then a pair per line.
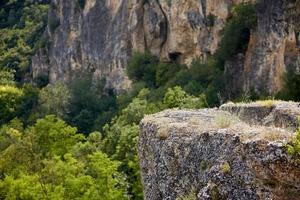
x,y
212,154
267,113
101,36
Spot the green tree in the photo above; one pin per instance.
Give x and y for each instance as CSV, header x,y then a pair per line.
x,y
54,99
7,77
28,103
121,138
294,147
50,160
21,25
10,97
177,97
237,31
142,67
291,89
165,72
89,99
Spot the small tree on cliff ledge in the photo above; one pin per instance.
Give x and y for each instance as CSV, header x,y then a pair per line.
x,y
294,148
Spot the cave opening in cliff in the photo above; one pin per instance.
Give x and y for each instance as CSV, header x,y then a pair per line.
x,y
244,40
174,56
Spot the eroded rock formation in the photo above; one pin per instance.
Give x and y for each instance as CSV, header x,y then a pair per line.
x,y
100,36
213,154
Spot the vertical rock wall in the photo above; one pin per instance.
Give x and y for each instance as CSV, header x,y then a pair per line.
x,y
100,36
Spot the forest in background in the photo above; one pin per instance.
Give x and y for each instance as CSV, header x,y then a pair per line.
x,y
79,140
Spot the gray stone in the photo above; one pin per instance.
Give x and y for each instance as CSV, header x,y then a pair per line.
x,y
213,154
101,36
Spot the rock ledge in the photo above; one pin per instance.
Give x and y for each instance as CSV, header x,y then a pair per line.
x,y
235,152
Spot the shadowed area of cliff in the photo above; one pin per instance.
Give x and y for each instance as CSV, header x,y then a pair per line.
x,y
237,151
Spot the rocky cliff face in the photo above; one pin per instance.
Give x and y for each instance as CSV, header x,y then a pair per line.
x,y
100,36
213,154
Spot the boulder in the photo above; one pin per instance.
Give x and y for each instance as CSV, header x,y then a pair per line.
x,y
237,151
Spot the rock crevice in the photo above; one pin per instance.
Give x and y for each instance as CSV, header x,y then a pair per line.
x,y
101,35
215,154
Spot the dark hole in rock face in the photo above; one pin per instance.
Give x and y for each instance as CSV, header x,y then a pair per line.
x,y
244,39
174,56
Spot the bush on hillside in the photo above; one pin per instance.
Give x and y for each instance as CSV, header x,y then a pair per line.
x,y
142,67
10,97
237,31
294,148
88,100
291,87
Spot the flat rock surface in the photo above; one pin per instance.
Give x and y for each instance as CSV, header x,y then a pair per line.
x,y
218,154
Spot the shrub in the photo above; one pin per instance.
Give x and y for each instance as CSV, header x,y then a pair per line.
x,y
210,20
294,148
176,97
142,67
192,195
43,42
54,99
10,97
225,167
237,31
7,77
291,89
88,100
165,72
225,121
41,80
28,102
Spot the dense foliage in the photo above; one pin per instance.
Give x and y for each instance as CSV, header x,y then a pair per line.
x,y
79,140
291,89
50,160
237,32
22,23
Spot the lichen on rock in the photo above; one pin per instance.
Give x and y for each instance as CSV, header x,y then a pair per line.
x,y
182,151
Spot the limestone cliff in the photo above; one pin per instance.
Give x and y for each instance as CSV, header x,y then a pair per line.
x,y
236,152
100,36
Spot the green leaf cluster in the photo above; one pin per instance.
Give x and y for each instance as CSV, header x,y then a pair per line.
x,y
22,23
294,148
50,160
237,31
121,135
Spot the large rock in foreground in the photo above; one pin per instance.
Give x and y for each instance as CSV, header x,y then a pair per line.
x,y
212,154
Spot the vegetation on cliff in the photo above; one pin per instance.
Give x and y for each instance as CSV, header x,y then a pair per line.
x,y
22,23
294,148
79,141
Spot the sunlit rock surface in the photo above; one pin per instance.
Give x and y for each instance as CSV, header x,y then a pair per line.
x,y
100,36
215,154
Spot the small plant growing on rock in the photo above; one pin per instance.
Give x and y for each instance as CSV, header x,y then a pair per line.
x,y
294,148
215,194
203,165
210,20
225,167
267,103
190,196
225,121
